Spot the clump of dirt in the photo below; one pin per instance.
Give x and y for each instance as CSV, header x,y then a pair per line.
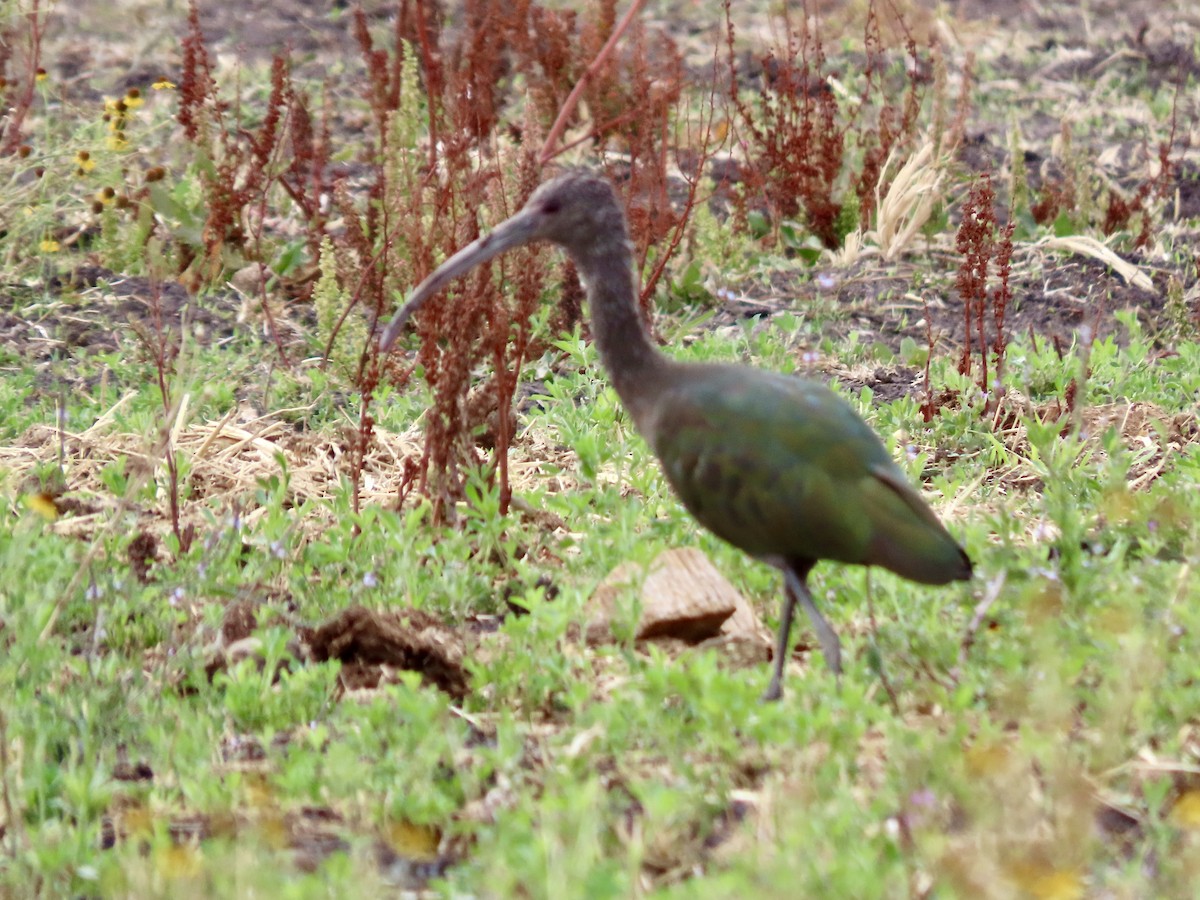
x,y
371,646
142,553
240,621
368,643
235,640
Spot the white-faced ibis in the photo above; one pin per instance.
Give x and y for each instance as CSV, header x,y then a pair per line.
x,y
776,465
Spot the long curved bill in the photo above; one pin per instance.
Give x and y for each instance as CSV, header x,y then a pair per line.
x,y
508,234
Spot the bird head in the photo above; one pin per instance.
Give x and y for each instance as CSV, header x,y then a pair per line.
x,y
578,211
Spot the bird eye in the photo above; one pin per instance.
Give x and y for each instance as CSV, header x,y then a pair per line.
x,y
552,205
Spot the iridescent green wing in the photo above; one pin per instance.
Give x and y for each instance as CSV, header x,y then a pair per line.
x,y
771,463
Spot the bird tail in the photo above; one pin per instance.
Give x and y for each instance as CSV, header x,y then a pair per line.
x,y
917,546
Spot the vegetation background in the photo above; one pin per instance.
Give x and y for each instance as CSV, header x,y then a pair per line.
x,y
279,617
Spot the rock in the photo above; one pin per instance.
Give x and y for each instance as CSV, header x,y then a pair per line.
x,y
683,596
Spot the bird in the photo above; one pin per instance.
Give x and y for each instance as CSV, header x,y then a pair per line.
x,y
777,465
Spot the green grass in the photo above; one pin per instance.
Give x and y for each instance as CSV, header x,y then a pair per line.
x,y
133,766
581,771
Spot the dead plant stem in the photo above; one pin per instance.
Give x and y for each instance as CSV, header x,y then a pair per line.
x,y
549,151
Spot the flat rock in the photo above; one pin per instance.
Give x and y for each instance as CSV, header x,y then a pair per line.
x,y
683,596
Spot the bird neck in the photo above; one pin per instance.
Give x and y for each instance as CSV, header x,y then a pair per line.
x,y
634,366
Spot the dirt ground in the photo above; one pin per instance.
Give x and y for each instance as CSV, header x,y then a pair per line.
x,y
1056,51
1052,51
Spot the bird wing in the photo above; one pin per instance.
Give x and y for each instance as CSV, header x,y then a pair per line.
x,y
774,465
784,468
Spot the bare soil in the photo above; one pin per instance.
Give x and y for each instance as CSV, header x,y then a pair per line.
x,y
1055,51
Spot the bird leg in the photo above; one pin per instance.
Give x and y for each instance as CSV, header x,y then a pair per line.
x,y
775,689
830,645
796,591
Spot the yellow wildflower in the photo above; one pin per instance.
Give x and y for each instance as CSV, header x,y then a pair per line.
x,y
1185,813
163,84
49,245
84,162
42,504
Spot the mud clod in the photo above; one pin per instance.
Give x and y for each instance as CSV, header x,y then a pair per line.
x,y
368,642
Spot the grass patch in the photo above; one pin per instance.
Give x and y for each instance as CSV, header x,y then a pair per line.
x,y
252,644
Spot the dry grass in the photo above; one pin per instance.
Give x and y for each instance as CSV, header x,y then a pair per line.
x,y
1088,246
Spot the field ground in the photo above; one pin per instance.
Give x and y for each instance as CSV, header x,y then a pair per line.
x,y
220,679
